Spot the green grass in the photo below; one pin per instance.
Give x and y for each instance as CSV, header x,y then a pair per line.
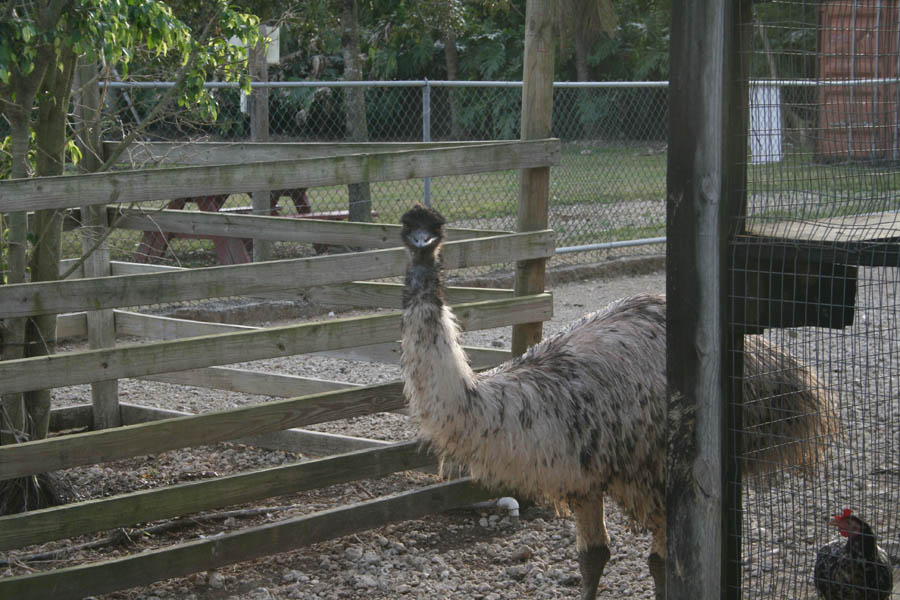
x,y
608,175
800,187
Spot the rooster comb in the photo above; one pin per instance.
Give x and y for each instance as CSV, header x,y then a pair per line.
x,y
845,514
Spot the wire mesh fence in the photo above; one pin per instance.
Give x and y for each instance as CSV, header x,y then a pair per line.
x,y
607,196
818,272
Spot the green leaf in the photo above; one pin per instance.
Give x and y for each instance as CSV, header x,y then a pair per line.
x,y
27,32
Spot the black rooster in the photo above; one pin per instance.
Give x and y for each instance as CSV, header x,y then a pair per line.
x,y
857,569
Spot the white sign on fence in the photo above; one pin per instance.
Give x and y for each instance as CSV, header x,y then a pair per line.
x,y
765,124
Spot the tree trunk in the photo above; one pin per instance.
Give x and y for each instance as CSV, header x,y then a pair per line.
x,y
13,418
582,50
451,58
360,201
18,106
50,144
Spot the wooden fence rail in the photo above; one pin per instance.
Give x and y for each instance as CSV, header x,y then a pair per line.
x,y
79,417
124,510
168,328
253,542
93,447
261,227
190,353
72,295
147,185
142,154
358,294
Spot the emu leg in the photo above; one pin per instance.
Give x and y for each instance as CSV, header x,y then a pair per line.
x,y
592,543
658,572
591,561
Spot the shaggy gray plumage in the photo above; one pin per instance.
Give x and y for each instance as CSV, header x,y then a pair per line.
x,y
582,414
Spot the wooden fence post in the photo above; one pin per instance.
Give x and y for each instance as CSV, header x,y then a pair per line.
x,y
534,184
359,195
100,323
259,132
706,189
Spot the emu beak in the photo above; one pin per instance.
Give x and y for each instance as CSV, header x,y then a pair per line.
x,y
421,239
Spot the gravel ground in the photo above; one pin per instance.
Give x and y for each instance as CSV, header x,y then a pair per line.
x,y
472,553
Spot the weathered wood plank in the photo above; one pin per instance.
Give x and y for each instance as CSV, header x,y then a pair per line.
x,y
250,382
132,268
142,154
163,184
259,132
242,346
340,233
298,440
312,443
706,183
70,417
303,441
78,273
158,436
362,294
123,510
101,326
168,328
248,279
285,386
254,542
389,353
71,325
850,228
357,294
372,294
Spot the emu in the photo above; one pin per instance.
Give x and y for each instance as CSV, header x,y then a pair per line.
x,y
582,414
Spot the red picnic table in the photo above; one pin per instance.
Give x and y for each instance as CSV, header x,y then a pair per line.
x,y
230,250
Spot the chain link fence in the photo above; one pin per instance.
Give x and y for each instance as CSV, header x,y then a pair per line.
x,y
607,195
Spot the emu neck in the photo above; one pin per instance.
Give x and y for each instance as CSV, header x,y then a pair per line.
x,y
436,372
424,285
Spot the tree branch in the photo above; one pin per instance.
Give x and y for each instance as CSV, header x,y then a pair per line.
x,y
9,9
164,103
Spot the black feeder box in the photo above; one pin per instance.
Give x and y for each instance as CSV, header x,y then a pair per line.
x,y
790,289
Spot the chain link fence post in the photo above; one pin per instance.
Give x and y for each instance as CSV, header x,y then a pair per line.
x,y
426,132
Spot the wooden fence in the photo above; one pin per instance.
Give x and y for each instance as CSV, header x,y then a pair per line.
x,y
193,353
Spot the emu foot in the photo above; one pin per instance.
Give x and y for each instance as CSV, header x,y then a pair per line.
x,y
658,572
591,561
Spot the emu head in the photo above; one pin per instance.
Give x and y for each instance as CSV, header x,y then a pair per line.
x,y
423,230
